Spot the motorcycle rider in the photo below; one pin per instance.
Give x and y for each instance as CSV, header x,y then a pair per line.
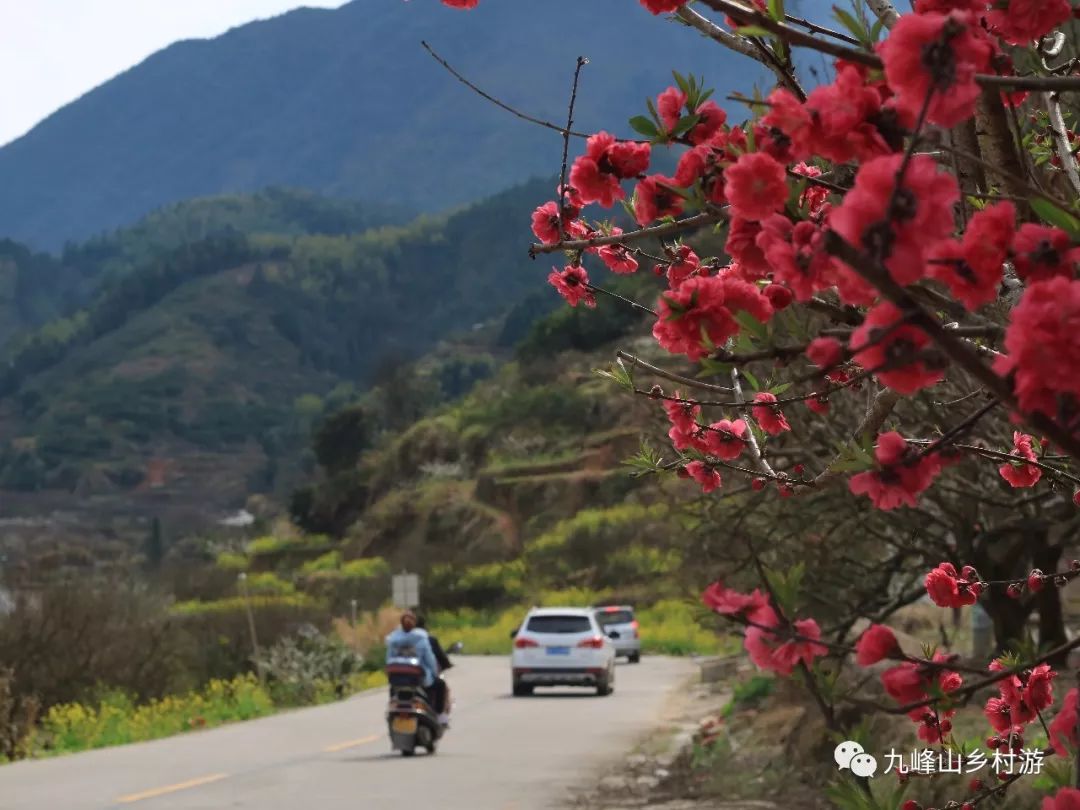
x,y
410,641
444,663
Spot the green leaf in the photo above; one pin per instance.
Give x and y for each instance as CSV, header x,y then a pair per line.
x,y
713,368
851,24
776,10
618,373
751,324
753,31
875,32
652,109
680,80
1052,215
779,389
684,125
753,380
641,124
647,460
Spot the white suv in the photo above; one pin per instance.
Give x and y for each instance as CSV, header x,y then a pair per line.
x,y
562,647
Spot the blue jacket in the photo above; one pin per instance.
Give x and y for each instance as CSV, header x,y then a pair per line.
x,y
413,644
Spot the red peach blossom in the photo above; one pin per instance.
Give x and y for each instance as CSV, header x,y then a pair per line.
x,y
768,415
1019,474
572,283
756,186
876,644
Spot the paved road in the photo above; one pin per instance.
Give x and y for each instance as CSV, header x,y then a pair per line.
x,y
502,753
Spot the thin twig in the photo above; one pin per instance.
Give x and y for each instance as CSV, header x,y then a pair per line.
x,y
581,62
668,375
654,232
623,298
524,116
755,450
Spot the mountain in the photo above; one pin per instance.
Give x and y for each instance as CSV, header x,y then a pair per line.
x,y
194,369
37,288
348,103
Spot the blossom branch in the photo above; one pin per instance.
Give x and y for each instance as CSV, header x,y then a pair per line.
x,y
792,36
884,403
755,450
953,345
668,375
653,232
975,686
738,44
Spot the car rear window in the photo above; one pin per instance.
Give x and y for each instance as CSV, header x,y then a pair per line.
x,y
559,624
606,617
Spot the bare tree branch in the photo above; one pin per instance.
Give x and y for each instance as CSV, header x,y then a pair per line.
x,y
1061,140
884,11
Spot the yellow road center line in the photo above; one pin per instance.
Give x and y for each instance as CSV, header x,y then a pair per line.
x,y
331,749
163,791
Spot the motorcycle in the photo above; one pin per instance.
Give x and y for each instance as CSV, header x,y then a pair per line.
x,y
412,721
410,717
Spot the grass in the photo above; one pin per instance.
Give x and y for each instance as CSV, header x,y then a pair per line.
x,y
72,727
117,720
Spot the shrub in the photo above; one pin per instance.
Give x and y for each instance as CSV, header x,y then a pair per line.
x,y
221,637
303,668
268,584
366,568
232,561
237,604
71,637
330,561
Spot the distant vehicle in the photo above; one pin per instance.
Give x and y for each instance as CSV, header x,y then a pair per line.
x,y
621,627
562,647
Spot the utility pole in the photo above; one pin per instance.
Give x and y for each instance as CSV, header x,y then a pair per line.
x,y
352,612
251,626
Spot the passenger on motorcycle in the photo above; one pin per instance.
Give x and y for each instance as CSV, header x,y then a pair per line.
x,y
410,641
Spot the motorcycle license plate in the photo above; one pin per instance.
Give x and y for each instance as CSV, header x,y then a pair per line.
x,y
404,725
558,650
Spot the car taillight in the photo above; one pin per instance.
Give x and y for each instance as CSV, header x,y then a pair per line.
x,y
634,627
594,643
521,643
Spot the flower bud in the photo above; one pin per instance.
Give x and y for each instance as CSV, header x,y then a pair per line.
x,y
1035,581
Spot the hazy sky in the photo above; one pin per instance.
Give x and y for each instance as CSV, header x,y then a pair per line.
x,y
53,51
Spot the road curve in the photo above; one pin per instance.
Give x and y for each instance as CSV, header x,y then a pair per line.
x,y
502,753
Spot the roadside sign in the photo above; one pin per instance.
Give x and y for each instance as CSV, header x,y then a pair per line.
x,y
406,588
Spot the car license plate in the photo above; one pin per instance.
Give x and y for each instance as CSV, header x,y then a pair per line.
x,y
558,650
404,725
